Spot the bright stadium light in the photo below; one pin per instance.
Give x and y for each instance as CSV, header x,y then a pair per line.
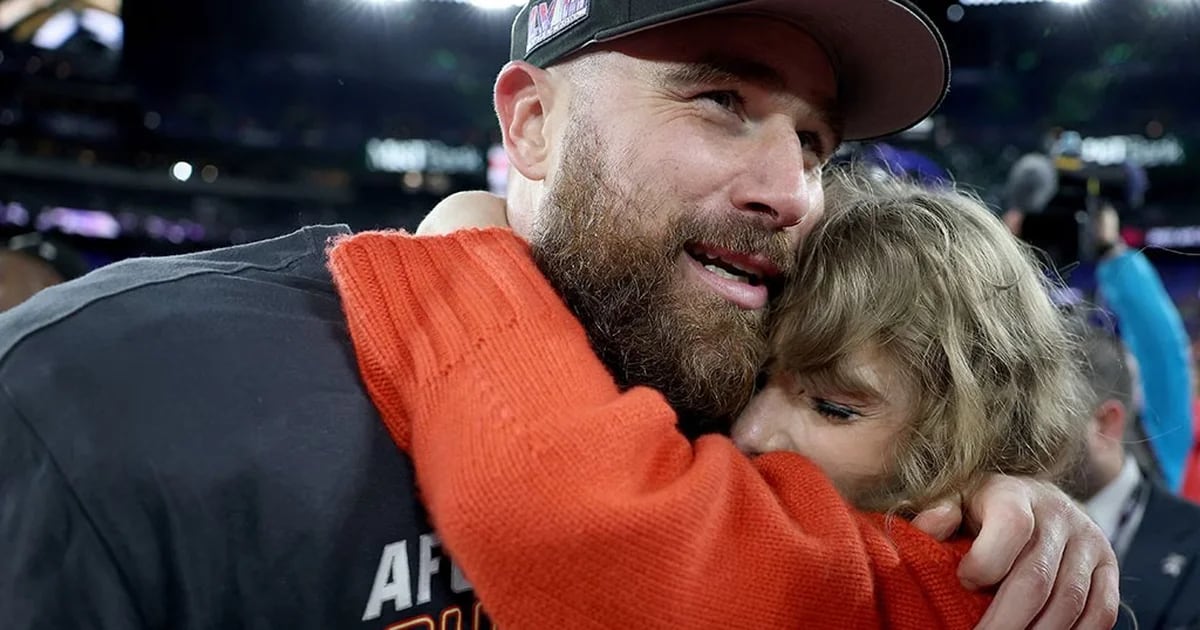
x,y
181,171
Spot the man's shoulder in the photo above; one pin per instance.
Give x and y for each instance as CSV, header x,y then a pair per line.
x,y
1164,507
1170,530
1162,566
206,413
230,340
139,288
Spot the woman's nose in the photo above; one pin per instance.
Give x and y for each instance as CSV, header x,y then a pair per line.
x,y
757,430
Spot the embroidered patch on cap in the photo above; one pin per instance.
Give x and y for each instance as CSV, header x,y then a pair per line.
x,y
550,18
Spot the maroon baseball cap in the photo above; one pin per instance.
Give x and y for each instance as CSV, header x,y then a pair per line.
x,y
892,66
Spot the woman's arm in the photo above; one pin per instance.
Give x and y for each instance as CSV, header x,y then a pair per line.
x,y
571,504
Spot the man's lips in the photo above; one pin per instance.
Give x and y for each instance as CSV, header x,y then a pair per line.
x,y
757,266
739,277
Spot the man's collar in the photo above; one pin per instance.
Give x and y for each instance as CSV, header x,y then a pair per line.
x,y
1106,506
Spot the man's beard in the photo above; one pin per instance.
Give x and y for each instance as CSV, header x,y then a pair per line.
x,y
623,280
1084,478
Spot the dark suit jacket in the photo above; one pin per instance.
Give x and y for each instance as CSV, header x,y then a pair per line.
x,y
1160,573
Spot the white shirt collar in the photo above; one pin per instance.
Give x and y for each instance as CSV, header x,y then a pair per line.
x,y
1105,508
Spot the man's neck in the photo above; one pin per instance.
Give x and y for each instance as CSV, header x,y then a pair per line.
x,y
1106,479
1106,505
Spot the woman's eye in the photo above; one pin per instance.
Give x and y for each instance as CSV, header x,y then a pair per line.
x,y
724,98
834,411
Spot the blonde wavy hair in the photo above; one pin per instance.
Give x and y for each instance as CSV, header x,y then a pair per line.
x,y
936,283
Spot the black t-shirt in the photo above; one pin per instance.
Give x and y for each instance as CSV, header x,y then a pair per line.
x,y
185,443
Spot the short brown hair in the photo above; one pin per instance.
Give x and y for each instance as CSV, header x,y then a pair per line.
x,y
937,283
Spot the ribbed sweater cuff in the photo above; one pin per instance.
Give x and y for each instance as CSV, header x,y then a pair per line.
x,y
475,286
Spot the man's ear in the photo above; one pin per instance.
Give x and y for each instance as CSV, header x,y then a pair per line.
x,y
523,98
1110,417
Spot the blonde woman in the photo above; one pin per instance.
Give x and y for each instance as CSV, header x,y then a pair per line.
x,y
916,353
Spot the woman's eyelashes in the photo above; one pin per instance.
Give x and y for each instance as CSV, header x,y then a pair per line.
x,y
835,411
830,409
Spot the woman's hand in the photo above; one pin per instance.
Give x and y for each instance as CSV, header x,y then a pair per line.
x,y
472,209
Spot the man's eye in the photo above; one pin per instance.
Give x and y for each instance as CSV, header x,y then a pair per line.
x,y
725,98
812,142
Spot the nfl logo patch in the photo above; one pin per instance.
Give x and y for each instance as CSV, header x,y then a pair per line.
x,y
548,19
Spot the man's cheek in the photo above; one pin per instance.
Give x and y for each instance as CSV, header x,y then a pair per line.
x,y
816,202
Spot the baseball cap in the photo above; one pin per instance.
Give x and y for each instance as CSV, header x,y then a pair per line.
x,y
892,65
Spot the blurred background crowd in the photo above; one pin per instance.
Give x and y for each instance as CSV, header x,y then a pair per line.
x,y
140,127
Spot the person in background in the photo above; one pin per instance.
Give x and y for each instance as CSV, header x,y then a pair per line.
x,y
1191,470
32,262
1152,328
1044,191
1156,534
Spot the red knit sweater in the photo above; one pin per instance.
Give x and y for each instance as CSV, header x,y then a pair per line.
x,y
571,504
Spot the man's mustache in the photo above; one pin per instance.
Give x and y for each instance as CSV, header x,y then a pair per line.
x,y
743,236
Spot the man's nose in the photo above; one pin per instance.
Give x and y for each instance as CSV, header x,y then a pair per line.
x,y
777,186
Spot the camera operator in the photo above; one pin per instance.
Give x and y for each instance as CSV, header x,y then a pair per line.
x,y
1067,209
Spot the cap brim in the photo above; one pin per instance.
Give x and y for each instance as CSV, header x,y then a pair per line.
x,y
892,64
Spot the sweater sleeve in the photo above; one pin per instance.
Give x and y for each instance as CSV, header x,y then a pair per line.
x,y
569,503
